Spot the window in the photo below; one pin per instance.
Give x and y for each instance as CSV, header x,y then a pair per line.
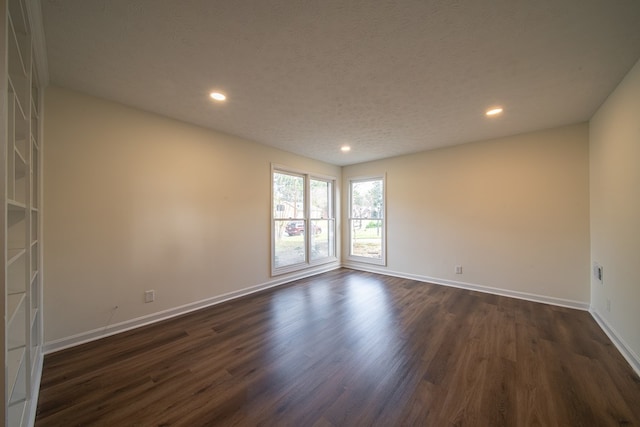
x,y
366,220
303,220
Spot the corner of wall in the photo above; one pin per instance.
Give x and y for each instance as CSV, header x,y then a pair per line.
x,y
627,352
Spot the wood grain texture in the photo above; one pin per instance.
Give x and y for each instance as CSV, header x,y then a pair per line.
x,y
349,348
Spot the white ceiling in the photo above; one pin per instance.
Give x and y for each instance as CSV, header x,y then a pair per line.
x,y
386,77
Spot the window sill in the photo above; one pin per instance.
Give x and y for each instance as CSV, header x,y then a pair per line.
x,y
302,266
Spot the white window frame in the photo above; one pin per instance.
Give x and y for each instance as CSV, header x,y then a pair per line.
x,y
383,255
306,217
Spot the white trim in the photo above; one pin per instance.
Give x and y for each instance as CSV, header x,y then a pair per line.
x,y
382,261
306,218
34,12
95,334
631,357
32,404
302,266
50,347
579,305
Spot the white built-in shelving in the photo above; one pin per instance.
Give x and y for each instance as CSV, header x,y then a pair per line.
x,y
22,219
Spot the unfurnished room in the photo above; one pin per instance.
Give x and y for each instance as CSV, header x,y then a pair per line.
x,y
327,214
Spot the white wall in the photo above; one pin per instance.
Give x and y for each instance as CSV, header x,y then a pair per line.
x,y
615,212
135,201
514,212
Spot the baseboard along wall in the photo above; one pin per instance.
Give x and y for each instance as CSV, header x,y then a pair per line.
x,y
631,357
72,341
579,305
96,334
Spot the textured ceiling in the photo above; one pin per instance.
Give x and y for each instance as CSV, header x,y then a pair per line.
x,y
386,77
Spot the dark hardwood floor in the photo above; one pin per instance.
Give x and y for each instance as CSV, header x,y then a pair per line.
x,y
348,348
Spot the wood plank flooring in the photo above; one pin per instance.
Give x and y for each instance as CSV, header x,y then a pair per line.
x,y
349,348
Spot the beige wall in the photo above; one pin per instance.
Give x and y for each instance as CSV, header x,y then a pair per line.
x,y
514,212
615,211
135,201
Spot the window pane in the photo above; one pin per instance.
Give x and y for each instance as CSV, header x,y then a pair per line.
x,y
288,196
320,199
322,239
366,199
366,238
289,243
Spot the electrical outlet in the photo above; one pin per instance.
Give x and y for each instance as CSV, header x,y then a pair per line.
x,y
149,296
458,269
598,273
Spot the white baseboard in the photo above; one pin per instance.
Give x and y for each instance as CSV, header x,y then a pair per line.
x,y
621,345
95,334
631,357
580,305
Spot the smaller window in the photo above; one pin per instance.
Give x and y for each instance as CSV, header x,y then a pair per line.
x,y
367,220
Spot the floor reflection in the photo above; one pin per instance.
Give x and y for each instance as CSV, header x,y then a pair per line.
x,y
356,321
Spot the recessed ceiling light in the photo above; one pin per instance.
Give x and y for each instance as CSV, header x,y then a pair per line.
x,y
494,111
218,96
345,148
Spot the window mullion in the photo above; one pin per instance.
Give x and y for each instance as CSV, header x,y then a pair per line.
x,y
307,216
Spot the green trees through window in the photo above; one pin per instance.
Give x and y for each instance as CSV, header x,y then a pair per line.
x,y
366,219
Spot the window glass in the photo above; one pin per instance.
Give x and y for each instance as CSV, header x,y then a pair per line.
x,y
289,223
320,198
303,230
366,222
288,195
322,222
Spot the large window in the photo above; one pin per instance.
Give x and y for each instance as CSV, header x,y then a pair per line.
x,y
366,220
303,220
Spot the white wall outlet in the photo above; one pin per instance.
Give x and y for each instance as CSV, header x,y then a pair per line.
x,y
149,296
458,269
598,273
